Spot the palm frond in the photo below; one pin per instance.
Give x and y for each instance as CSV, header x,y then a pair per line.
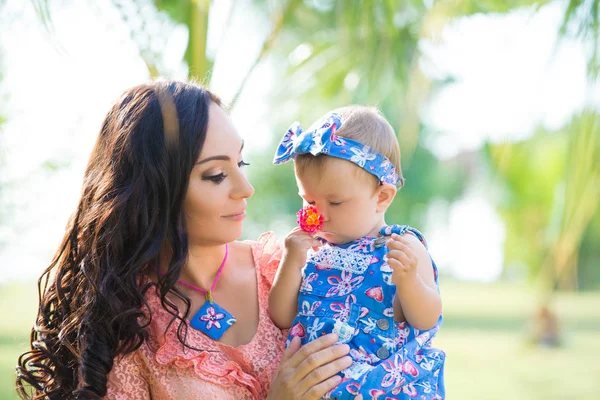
x,y
580,21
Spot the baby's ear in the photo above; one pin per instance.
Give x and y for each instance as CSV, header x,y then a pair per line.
x,y
385,195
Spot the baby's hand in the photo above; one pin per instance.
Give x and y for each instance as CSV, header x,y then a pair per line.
x,y
296,245
402,259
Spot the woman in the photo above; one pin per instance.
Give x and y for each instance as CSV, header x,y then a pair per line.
x,y
149,294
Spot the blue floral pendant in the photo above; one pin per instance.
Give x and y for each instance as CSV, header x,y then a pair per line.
x,y
212,319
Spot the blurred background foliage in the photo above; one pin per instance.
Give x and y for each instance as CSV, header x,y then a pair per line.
x,y
545,187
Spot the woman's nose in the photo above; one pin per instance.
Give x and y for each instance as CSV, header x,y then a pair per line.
x,y
243,188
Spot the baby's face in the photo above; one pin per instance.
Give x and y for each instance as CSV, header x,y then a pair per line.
x,y
346,197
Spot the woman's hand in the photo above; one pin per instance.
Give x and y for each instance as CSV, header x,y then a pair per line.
x,y
308,372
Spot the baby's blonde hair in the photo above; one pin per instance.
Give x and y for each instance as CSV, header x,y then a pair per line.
x,y
366,125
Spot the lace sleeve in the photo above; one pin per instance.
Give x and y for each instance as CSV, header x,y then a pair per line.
x,y
126,380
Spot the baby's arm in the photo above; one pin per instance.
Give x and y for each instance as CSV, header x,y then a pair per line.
x,y
283,298
417,298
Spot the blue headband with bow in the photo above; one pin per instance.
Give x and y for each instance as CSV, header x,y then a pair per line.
x,y
321,139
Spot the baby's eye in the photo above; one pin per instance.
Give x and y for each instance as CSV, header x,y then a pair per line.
x,y
335,203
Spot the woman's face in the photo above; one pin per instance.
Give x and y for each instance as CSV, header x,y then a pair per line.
x,y
215,202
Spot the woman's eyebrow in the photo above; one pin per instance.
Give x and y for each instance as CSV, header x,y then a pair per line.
x,y
220,157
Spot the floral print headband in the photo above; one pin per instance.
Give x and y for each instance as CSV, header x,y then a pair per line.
x,y
321,139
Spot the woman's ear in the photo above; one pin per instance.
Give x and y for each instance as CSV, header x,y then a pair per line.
x,y
385,195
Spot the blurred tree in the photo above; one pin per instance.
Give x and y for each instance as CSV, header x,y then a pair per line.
x,y
581,21
141,16
551,194
2,179
581,199
529,174
589,257
552,206
194,15
337,52
2,121
379,38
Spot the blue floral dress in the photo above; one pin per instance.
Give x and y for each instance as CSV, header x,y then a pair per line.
x,y
348,290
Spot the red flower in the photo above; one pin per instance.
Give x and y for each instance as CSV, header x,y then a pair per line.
x,y
309,219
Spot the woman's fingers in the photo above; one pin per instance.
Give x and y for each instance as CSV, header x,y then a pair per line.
x,y
309,371
320,367
312,347
321,380
291,350
318,391
281,384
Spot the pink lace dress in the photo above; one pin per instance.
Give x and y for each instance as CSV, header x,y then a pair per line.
x,y
162,369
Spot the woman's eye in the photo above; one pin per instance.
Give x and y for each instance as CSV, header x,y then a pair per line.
x,y
215,178
243,164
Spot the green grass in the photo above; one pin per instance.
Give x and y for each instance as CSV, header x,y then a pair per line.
x,y
483,336
488,357
18,306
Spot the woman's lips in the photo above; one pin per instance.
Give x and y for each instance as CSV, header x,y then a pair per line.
x,y
237,216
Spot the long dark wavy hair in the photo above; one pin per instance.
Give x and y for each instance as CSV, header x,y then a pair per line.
x,y
92,305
